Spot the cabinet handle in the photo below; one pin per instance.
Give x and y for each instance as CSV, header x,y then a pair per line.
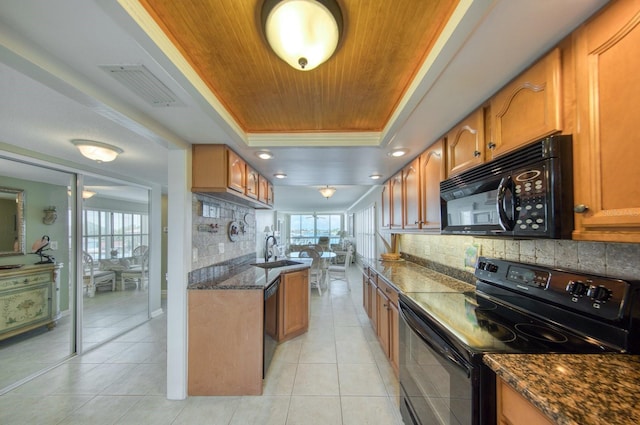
x,y
476,153
387,290
580,208
491,145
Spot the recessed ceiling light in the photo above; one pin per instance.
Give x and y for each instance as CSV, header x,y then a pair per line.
x,y
264,154
375,176
398,152
280,175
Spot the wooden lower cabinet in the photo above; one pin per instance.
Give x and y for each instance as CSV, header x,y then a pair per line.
x,y
293,305
225,342
380,301
514,409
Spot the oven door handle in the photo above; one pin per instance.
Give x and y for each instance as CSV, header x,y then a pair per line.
x,y
434,341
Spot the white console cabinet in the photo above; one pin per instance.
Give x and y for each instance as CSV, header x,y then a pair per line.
x,y
29,298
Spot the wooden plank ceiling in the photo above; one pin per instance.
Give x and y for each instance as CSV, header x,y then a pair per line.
x,y
383,46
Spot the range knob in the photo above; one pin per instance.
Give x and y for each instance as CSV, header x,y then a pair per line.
x,y
576,287
598,293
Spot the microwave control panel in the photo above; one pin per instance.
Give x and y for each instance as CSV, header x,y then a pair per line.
x,y
530,190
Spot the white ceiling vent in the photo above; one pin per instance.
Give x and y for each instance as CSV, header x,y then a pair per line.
x,y
142,82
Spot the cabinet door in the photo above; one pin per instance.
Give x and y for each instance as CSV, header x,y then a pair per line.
x,y
294,304
394,340
365,294
263,190
465,144
606,148
385,202
383,320
396,201
270,195
528,108
252,182
373,303
432,172
236,170
514,409
411,195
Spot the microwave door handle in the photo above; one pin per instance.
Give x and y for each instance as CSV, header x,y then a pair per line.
x,y
505,184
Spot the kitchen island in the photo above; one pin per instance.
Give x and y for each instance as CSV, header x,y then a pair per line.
x,y
226,325
575,389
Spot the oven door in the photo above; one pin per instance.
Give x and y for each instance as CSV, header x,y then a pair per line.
x,y
437,385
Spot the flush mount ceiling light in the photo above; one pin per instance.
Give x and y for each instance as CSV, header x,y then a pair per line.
x,y
98,151
264,154
398,152
375,176
280,175
327,192
303,33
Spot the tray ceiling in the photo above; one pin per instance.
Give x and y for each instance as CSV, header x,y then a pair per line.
x,y
357,90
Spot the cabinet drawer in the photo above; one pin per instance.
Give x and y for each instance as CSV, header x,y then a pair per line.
x,y
389,291
24,280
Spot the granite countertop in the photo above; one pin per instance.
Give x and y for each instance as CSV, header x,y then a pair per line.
x,y
574,389
410,277
242,276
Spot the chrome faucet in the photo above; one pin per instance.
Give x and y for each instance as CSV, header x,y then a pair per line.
x,y
266,247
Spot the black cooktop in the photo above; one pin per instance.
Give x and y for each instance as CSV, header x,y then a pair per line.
x,y
476,325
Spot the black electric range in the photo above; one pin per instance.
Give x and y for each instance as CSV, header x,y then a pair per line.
x,y
516,308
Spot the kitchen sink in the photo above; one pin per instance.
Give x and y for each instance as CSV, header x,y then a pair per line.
x,y
275,264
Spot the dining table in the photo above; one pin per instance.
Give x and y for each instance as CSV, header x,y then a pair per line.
x,y
325,256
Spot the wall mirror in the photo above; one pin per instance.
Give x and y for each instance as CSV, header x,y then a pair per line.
x,y
12,226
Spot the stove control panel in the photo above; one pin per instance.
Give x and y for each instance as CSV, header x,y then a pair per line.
x,y
596,295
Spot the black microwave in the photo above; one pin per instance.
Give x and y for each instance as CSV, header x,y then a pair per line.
x,y
527,193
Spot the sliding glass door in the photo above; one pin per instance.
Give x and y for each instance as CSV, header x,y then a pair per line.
x,y
115,250
37,265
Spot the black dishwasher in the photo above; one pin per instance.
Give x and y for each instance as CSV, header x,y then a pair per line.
x,y
270,340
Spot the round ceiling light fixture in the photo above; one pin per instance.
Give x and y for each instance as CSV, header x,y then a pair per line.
x,y
375,176
303,33
327,191
97,151
280,175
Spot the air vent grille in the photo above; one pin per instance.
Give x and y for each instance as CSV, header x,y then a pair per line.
x,y
142,82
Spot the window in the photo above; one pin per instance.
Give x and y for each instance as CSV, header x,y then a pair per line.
x,y
307,228
365,229
113,234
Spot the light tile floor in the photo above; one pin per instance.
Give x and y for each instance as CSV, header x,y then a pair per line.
x,y
106,315
334,374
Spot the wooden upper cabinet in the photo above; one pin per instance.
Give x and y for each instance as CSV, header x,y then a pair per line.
x,y
237,169
385,203
465,144
396,201
432,172
263,190
252,182
528,108
411,198
218,170
606,148
270,194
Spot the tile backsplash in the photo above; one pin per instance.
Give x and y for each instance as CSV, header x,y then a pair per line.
x,y
621,260
211,243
